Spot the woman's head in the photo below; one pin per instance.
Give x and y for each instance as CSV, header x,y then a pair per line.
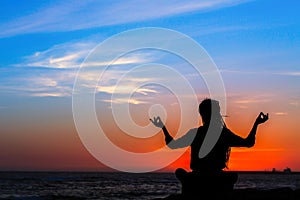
x,y
209,109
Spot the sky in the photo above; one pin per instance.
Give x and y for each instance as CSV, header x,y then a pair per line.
x,y
46,46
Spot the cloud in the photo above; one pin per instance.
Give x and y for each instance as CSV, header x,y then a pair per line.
x,y
72,55
289,73
52,72
61,56
283,73
131,91
281,113
48,82
131,59
295,103
57,69
257,150
128,88
78,15
31,81
28,89
54,84
124,101
49,94
61,62
253,100
244,101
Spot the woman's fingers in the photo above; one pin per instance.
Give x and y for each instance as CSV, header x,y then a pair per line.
x,y
155,120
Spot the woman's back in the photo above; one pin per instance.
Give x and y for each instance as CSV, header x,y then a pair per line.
x,y
216,159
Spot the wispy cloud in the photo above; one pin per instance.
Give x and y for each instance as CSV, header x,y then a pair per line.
x,y
289,73
281,113
129,93
50,94
42,84
252,100
245,101
131,59
295,103
283,73
55,70
257,150
88,14
125,101
73,54
55,85
61,56
28,89
129,87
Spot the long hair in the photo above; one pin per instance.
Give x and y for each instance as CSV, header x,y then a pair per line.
x,y
210,112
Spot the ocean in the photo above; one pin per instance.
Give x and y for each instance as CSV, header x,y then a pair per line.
x,y
117,186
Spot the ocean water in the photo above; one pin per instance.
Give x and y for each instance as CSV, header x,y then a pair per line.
x,y
116,186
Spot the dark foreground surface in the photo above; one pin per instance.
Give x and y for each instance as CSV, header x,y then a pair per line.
x,y
136,186
244,194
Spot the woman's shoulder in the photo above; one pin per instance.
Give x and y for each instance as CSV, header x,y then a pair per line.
x,y
226,131
202,128
195,130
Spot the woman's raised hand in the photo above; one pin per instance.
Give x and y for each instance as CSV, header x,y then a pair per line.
x,y
262,118
157,122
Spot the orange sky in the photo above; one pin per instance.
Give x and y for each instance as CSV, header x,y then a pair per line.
x,y
36,144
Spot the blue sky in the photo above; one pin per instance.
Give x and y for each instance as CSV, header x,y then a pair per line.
x,y
241,36
254,43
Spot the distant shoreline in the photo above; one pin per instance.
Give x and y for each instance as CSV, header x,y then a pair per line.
x,y
266,172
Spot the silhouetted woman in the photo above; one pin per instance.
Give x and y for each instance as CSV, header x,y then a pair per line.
x,y
209,171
